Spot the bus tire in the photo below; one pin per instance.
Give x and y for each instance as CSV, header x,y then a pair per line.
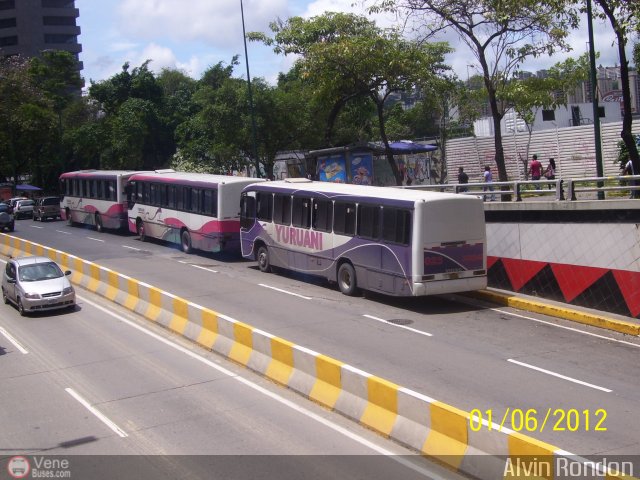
x,y
347,282
185,238
264,264
99,226
140,230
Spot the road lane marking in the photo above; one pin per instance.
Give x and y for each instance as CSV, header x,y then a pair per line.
x,y
102,417
274,396
387,322
198,266
132,248
549,372
96,239
62,231
14,341
285,291
513,314
36,226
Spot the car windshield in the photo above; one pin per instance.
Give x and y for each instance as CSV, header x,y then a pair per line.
x,y
39,271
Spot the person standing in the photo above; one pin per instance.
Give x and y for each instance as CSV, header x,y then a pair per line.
x,y
462,179
535,169
550,172
488,178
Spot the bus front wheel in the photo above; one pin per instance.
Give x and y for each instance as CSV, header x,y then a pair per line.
x,y
347,279
263,259
186,242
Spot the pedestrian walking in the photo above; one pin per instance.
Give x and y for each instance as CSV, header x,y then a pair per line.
x,y
535,169
488,178
550,172
462,179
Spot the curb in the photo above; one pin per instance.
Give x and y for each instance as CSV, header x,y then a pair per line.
x,y
435,429
558,311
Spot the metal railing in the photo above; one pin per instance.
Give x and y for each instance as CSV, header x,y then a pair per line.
x,y
560,189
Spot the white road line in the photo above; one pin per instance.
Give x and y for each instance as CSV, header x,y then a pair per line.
x,y
62,231
284,291
132,248
36,226
14,341
387,322
274,396
205,268
549,372
96,239
566,328
97,413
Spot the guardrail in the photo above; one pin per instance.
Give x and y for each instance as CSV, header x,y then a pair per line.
x,y
560,189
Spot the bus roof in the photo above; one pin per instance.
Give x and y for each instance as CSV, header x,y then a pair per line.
x,y
190,177
342,189
98,173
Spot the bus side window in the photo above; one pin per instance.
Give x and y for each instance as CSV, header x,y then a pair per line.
x,y
301,212
369,221
344,218
264,206
282,209
396,226
322,215
247,211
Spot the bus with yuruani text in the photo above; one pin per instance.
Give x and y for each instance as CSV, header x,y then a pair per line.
x,y
395,241
194,210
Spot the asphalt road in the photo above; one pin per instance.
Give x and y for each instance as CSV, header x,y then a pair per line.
x,y
98,381
497,360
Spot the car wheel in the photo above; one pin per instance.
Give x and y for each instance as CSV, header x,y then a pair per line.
x,y
347,279
264,264
21,308
186,242
5,299
99,227
140,230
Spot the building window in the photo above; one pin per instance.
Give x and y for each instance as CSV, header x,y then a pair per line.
x,y
67,21
58,3
7,22
59,38
601,113
548,115
8,41
7,4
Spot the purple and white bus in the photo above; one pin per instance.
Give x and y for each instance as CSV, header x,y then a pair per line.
x,y
394,241
195,210
95,197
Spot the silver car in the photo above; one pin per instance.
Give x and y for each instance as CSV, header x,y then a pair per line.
x,y
36,284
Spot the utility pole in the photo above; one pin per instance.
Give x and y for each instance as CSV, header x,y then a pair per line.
x,y
594,100
250,94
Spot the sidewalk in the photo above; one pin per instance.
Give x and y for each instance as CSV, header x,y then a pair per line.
x,y
595,318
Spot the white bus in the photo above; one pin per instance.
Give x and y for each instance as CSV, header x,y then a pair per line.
x,y
195,210
394,241
95,197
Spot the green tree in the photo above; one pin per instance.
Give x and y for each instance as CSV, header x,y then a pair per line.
x,y
346,56
501,34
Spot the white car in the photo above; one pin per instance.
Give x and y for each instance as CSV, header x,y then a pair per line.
x,y
36,284
23,208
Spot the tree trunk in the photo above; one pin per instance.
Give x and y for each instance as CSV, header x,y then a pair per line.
x,y
383,135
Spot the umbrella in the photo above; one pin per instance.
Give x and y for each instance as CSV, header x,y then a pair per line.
x,y
411,147
27,187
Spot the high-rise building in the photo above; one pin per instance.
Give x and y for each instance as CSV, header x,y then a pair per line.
x,y
27,27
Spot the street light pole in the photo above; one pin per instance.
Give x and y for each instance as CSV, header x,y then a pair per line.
x,y
250,94
594,100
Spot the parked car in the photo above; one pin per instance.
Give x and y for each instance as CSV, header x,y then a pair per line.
x,y
35,284
23,209
7,221
12,201
46,207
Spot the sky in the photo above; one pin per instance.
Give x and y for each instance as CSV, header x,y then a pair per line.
x,y
192,35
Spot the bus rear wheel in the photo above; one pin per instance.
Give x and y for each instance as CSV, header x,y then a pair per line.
x,y
347,279
264,264
186,242
140,230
